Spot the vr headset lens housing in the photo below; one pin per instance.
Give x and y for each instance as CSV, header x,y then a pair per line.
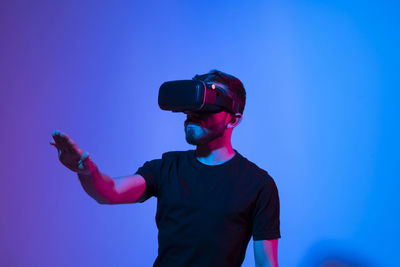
x,y
194,96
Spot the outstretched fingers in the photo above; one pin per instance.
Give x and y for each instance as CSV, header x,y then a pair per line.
x,y
63,141
59,138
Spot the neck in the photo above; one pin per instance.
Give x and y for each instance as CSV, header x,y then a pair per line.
x,y
214,155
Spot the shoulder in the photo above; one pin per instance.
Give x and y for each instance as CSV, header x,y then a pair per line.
x,y
257,171
262,176
173,155
165,157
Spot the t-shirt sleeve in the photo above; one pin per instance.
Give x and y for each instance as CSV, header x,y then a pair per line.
x,y
266,223
151,172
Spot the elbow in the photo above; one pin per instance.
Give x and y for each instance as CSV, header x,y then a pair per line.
x,y
107,201
103,201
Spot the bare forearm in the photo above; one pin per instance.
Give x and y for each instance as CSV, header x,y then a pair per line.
x,y
267,264
266,253
99,186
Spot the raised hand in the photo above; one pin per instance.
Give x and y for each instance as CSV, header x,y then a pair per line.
x,y
70,155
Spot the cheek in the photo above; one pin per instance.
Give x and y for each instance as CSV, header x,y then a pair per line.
x,y
215,125
216,122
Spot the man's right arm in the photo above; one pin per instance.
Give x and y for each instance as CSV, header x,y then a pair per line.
x,y
120,190
101,187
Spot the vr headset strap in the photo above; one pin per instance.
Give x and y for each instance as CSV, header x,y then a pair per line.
x,y
226,102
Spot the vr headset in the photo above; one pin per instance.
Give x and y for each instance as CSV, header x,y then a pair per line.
x,y
195,95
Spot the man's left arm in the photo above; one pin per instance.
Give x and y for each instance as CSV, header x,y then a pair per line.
x,y
266,253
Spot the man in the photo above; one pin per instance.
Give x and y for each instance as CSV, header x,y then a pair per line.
x,y
210,201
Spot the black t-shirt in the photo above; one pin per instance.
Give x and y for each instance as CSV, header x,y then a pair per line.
x,y
206,214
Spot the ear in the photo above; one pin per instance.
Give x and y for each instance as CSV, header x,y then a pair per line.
x,y
235,120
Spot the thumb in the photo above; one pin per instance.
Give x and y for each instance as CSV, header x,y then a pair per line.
x,y
53,143
86,162
84,156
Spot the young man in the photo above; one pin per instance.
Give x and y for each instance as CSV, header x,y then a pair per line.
x,y
210,201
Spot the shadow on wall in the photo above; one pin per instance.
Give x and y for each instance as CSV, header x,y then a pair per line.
x,y
330,253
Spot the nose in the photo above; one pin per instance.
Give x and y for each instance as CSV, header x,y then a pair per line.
x,y
191,114
193,117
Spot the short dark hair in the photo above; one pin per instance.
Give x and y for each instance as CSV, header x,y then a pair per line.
x,y
236,89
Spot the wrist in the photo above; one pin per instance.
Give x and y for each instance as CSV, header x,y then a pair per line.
x,y
83,172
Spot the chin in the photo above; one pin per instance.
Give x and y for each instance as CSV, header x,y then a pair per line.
x,y
193,141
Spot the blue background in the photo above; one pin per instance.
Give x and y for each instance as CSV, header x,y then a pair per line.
x,y
322,86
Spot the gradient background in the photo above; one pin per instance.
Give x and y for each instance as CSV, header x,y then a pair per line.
x,y
322,81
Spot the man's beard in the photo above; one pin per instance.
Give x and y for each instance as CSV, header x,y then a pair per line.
x,y
197,135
